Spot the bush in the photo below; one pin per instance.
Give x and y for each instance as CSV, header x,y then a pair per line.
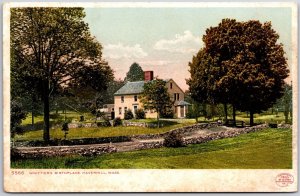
x,y
190,115
65,129
117,121
173,139
128,114
167,113
17,114
103,124
140,114
273,125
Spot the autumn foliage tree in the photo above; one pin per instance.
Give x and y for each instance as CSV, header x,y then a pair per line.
x,y
248,69
54,47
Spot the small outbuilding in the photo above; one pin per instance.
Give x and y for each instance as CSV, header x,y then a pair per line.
x,y
182,108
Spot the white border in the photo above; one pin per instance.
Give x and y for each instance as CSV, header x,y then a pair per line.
x,y
189,180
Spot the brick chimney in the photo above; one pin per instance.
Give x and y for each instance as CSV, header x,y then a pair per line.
x,y
148,75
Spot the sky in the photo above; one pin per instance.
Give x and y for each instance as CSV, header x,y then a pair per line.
x,y
164,40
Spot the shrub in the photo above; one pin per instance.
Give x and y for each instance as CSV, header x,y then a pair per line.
x,y
128,114
173,139
167,113
273,125
140,114
190,115
117,121
17,114
65,129
104,124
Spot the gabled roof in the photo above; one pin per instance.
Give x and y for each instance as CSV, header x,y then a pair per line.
x,y
170,79
131,88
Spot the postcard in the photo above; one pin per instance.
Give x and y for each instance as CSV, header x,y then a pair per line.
x,y
150,97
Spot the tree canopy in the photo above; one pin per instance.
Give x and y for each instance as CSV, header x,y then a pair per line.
x,y
135,73
54,48
155,97
247,69
17,114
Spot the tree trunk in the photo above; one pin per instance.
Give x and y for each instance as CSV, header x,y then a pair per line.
x,y
32,114
251,118
32,119
204,110
46,112
225,111
272,111
286,116
65,114
233,115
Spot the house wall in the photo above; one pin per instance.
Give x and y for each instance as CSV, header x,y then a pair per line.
x,y
175,89
130,103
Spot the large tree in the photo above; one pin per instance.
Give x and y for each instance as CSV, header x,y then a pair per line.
x,y
249,64
135,73
285,102
54,46
155,97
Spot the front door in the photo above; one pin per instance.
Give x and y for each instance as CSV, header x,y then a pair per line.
x,y
135,107
181,111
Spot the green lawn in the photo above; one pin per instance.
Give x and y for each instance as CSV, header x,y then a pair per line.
x,y
267,149
57,118
99,132
258,118
262,118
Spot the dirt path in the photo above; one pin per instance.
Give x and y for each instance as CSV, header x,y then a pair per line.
x,y
135,144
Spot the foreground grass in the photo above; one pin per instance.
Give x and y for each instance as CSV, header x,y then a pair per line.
x,y
266,149
98,132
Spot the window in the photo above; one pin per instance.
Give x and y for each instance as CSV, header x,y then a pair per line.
x,y
176,96
122,99
171,85
120,110
125,109
135,97
135,108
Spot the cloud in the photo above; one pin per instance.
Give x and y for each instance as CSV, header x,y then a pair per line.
x,y
155,62
118,51
186,43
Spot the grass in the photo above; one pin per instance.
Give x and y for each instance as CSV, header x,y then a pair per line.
x,y
55,118
266,149
262,118
258,118
98,132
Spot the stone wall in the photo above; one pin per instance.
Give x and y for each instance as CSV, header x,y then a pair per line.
x,y
72,142
231,132
74,125
140,124
31,153
150,145
182,130
98,149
